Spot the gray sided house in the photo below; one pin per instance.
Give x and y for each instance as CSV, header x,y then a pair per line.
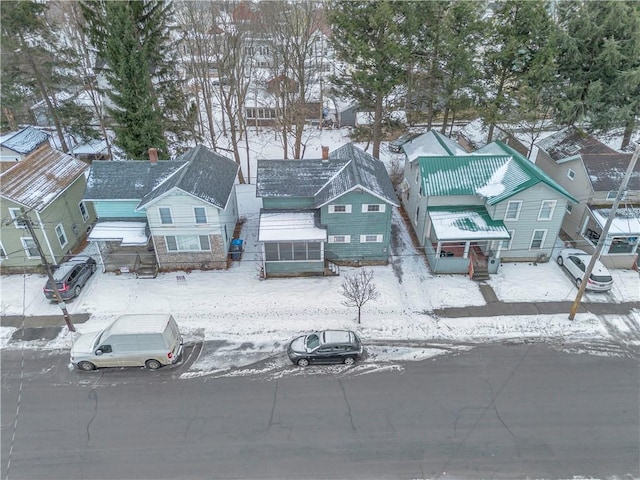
x,y
470,211
324,212
593,173
164,215
48,186
17,145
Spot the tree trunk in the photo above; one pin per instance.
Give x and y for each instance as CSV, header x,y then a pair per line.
x,y
628,131
377,126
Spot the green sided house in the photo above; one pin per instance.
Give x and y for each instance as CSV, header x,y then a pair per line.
x,y
471,211
318,214
48,185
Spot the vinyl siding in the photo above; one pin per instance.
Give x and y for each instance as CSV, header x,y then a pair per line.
x,y
357,224
288,203
118,209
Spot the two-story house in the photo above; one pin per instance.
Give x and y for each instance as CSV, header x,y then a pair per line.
x,y
47,186
324,212
470,211
593,173
182,213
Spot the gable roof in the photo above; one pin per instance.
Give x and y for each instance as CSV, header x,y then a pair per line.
x,y
605,166
432,144
126,180
24,141
347,168
207,175
41,177
495,172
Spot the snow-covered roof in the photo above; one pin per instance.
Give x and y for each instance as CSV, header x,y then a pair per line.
x,y
128,233
41,177
625,222
289,226
206,175
466,223
347,168
433,144
91,147
24,141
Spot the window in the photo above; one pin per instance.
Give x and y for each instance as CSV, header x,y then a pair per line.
x,y
569,208
366,208
339,238
83,211
165,215
339,208
571,174
3,253
513,210
187,243
546,209
15,213
370,238
292,251
29,247
251,113
506,244
62,238
537,239
200,214
612,195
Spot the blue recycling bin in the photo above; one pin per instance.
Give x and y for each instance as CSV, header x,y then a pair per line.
x,y
236,249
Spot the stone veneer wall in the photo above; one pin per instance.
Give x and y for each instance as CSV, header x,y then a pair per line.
x,y
216,259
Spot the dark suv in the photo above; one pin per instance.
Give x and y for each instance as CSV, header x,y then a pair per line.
x,y
328,346
70,277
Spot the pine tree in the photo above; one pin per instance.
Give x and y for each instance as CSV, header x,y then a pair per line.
x,y
371,38
518,30
599,64
133,38
31,67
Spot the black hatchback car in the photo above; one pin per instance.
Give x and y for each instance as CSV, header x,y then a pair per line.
x,y
71,277
328,346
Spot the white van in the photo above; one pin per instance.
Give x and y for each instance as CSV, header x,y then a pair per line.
x,y
150,340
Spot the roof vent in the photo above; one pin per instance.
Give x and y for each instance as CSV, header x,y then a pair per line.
x,y
572,149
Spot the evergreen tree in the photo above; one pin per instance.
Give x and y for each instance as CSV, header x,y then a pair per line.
x,y
599,64
133,38
371,38
32,66
518,31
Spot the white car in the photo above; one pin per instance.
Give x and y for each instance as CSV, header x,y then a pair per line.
x,y
576,262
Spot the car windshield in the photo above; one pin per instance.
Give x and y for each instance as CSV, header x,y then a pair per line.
x,y
313,341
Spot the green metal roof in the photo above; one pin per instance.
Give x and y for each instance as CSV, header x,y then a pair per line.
x,y
495,177
466,223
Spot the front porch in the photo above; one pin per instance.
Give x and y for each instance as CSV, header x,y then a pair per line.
x,y
622,243
464,240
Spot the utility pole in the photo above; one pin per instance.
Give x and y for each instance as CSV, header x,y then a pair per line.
x,y
47,267
605,231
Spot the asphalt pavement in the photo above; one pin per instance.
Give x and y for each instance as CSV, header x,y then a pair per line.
x,y
47,327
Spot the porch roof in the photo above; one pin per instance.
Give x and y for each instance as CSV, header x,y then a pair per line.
x,y
466,223
289,226
626,221
127,233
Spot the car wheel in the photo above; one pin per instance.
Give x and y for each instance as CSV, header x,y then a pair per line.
x,y
578,282
86,366
152,364
94,267
303,362
560,261
349,361
76,291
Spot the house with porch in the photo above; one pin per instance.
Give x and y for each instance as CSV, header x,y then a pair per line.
x,y
321,213
470,211
164,215
593,172
47,185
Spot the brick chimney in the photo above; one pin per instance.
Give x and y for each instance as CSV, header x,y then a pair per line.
x,y
153,155
325,153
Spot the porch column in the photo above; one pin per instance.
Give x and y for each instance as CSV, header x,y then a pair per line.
x,y
466,249
499,242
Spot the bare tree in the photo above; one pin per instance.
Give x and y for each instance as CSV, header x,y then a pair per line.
x,y
358,289
290,29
